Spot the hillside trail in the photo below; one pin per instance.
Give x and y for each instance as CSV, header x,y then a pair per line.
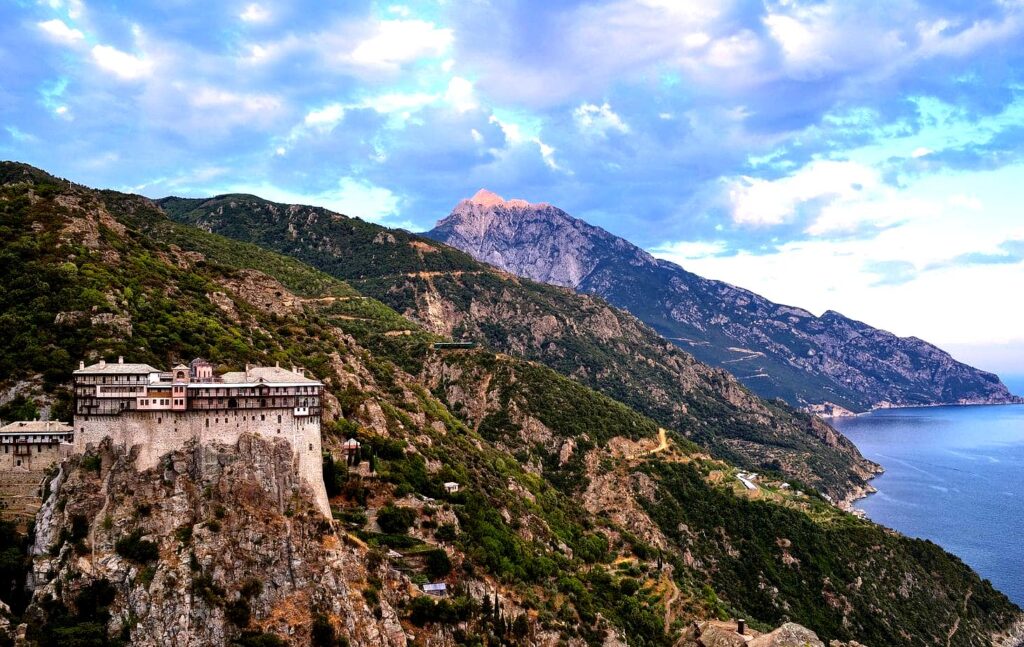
x,y
662,442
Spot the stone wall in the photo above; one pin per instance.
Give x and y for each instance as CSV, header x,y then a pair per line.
x,y
39,457
20,493
157,433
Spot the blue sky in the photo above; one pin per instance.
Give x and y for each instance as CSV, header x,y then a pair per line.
x,y
858,156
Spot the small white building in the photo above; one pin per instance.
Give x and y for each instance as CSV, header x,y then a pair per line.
x,y
451,487
437,589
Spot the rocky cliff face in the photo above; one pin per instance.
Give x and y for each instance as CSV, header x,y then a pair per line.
x,y
217,543
776,350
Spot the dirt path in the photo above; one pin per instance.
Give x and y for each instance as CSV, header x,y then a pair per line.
x,y
662,442
670,615
956,623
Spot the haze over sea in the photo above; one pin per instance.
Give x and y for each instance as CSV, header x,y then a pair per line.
x,y
954,475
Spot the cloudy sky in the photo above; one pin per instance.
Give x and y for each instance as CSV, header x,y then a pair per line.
x,y
858,156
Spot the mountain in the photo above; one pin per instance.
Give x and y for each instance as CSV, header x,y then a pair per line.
x,y
578,521
581,336
775,350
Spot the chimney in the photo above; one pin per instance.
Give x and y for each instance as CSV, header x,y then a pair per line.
x,y
120,359
81,366
277,364
741,627
103,363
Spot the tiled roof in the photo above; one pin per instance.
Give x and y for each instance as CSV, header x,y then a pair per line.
x,y
269,374
35,426
116,368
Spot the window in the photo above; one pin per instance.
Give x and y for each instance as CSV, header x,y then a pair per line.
x,y
263,416
232,403
278,419
310,446
207,422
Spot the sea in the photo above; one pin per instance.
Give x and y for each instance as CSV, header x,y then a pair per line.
x,y
954,475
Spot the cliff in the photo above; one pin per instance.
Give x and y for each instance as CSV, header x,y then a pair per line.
x,y
775,350
217,544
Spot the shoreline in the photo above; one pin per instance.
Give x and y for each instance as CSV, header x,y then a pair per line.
x,y
852,414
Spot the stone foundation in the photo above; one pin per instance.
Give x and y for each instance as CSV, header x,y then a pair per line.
x,y
157,433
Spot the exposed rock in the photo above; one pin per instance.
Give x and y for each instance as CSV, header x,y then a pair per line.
x,y
121,324
788,635
221,517
776,350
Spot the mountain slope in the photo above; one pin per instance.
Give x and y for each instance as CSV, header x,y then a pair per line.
x,y
776,350
580,336
575,514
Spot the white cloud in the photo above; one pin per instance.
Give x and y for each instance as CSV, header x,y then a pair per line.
x,y
396,102
941,38
681,251
772,202
460,94
325,118
599,120
59,31
255,13
964,201
515,137
921,151
397,42
121,64
240,107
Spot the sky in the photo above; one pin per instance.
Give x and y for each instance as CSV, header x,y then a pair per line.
x,y
860,156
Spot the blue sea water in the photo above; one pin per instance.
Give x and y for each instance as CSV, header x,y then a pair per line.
x,y
954,475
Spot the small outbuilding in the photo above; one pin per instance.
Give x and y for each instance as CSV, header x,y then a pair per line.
x,y
451,487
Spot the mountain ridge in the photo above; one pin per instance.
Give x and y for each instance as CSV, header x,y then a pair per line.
x,y
775,349
581,336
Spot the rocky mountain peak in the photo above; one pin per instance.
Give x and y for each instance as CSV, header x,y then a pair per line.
x,y
487,199
777,350
535,240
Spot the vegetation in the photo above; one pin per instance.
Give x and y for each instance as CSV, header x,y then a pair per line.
x,y
137,549
395,520
423,420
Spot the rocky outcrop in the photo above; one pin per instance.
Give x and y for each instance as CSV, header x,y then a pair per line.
x,y
776,350
217,541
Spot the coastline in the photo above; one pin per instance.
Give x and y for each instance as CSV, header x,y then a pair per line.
x,y
846,413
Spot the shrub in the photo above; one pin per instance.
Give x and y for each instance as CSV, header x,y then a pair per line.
x,y
438,564
250,588
137,549
259,639
446,532
238,612
323,634
395,520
